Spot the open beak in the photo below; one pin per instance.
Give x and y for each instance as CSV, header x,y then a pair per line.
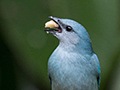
x,y
53,25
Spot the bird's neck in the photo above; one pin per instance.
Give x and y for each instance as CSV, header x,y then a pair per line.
x,y
82,47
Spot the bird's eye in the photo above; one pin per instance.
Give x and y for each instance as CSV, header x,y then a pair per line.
x,y
68,28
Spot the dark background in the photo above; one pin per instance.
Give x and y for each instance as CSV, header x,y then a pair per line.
x,y
25,47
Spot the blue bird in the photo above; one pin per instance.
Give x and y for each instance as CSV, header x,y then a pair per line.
x,y
73,65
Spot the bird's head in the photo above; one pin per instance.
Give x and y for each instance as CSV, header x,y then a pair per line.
x,y
68,32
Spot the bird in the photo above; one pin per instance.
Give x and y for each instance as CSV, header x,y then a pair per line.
x,y
73,65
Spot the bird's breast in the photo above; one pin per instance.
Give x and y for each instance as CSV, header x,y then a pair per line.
x,y
70,68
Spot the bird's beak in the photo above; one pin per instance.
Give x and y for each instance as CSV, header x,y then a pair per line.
x,y
53,25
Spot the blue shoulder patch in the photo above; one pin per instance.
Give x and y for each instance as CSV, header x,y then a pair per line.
x,y
99,71
98,78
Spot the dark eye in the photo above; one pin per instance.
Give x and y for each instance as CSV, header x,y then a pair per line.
x,y
68,28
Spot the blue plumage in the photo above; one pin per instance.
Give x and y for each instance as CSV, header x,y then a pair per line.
x,y
73,65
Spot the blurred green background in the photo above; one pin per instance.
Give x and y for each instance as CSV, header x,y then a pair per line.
x,y
25,47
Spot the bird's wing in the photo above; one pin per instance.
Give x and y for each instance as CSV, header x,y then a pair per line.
x,y
50,79
99,70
